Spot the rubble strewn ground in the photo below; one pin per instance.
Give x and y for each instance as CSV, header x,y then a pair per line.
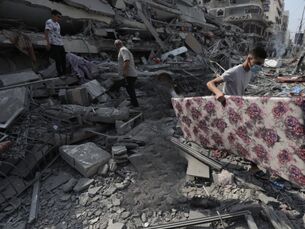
x,y
75,154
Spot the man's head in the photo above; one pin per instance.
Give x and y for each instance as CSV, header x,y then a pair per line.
x,y
118,44
257,57
56,15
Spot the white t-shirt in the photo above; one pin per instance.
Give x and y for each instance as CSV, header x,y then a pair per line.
x,y
236,80
125,54
54,32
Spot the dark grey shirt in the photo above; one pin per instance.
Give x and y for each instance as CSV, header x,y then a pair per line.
x,y
236,80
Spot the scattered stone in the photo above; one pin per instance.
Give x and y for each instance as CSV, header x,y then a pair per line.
x,y
143,217
104,170
122,185
224,178
92,191
83,199
68,187
112,165
65,197
93,221
267,199
125,215
62,225
86,158
116,201
98,213
108,192
112,225
82,184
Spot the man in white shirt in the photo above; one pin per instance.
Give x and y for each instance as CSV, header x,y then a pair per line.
x,y
55,42
237,78
127,71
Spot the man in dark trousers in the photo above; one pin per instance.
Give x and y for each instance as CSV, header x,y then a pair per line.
x,y
127,71
55,42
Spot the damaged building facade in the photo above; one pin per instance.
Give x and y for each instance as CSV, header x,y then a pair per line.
x,y
75,154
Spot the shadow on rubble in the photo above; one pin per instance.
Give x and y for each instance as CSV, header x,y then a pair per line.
x,y
279,194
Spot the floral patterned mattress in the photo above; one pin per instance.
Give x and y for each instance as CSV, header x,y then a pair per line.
x,y
268,131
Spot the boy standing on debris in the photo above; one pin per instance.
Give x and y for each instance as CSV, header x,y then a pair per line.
x,y
127,71
55,43
237,78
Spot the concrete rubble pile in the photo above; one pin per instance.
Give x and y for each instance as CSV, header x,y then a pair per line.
x,y
75,154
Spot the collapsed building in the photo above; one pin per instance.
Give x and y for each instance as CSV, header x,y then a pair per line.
x,y
128,175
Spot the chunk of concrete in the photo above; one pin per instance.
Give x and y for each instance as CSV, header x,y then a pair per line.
x,y
94,89
12,103
18,78
68,187
110,115
116,226
86,158
82,184
78,96
56,181
119,4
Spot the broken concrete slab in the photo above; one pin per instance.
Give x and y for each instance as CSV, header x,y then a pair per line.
x,y
110,115
86,158
196,168
82,184
94,89
194,44
68,187
12,103
174,52
97,6
55,181
116,225
83,199
92,191
79,13
18,78
78,96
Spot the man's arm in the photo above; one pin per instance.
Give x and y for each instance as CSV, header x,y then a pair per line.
x,y
212,85
46,35
125,68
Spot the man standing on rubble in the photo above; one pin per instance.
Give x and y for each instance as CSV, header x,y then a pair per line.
x,y
55,42
127,71
237,78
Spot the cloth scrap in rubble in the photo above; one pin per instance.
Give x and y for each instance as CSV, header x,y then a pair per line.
x,y
268,131
80,67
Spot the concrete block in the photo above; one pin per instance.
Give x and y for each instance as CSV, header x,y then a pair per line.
x,y
94,89
78,96
82,184
86,158
118,151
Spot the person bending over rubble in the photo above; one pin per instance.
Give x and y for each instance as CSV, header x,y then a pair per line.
x,y
55,42
127,71
237,78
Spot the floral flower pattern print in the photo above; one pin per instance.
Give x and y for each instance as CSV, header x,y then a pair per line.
x,y
266,130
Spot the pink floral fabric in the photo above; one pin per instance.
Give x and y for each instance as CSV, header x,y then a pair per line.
x,y
266,130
